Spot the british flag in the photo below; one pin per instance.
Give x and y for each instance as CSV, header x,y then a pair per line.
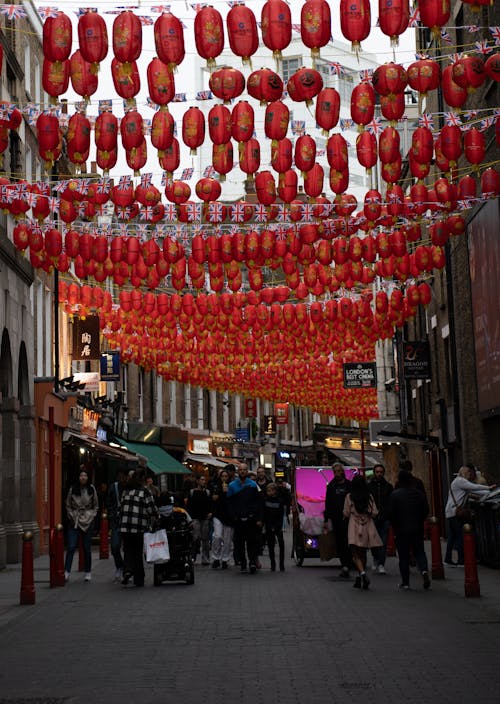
x,y
375,126
486,123
452,119
215,212
366,74
104,185
307,212
446,37
179,98
335,68
296,28
204,95
187,174
170,212
209,171
53,204
124,182
495,33
414,18
470,114
283,213
238,212
81,209
197,6
83,10
426,120
13,12
105,106
160,8
298,126
146,180
60,186
146,213
48,11
32,199
482,47
260,212
193,211
144,20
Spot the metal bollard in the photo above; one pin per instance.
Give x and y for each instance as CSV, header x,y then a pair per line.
x,y
27,593
437,568
471,584
104,537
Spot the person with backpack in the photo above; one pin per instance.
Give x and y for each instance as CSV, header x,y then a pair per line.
x,y
82,506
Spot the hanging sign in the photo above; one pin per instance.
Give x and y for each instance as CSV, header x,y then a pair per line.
x,y
281,413
250,408
86,338
269,425
360,375
110,366
417,360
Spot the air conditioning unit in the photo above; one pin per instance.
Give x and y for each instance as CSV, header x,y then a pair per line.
x,y
384,426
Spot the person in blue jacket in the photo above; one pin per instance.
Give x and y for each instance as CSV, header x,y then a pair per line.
x,y
245,508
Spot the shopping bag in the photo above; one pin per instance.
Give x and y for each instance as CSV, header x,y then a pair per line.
x,y
327,546
156,547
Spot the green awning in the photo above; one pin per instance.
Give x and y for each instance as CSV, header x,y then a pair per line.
x,y
158,459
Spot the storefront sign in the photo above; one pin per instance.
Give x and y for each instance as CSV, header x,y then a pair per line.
x,y
86,338
201,447
269,425
281,413
242,434
360,375
110,366
90,379
90,421
417,360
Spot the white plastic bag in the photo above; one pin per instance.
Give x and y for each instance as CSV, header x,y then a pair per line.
x,y
156,547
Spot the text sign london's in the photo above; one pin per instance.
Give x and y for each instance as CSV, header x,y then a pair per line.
x,y
360,375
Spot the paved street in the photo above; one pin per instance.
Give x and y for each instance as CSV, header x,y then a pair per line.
x,y
299,636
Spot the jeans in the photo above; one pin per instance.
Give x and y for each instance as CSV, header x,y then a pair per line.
x,y
455,540
246,536
133,550
222,541
72,544
382,526
201,538
404,544
116,546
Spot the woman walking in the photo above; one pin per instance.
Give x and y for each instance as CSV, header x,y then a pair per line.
x,y
81,507
222,538
360,509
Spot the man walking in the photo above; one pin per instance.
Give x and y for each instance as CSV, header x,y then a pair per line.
x,y
336,491
381,491
199,507
408,509
245,507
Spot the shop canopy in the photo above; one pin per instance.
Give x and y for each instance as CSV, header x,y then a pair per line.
x,y
205,459
352,458
158,459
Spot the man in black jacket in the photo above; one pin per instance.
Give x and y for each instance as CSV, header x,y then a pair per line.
x,y
336,491
381,491
246,508
408,509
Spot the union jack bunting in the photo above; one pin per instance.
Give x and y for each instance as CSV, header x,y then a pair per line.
x,y
375,126
298,126
83,10
454,57
232,3
13,12
104,185
414,18
105,106
197,6
451,118
307,212
215,212
321,152
32,199
146,179
193,211
346,123
53,204
124,182
209,171
81,106
83,186
187,174
260,212
421,56
204,95
470,114
482,47
495,33
238,212
335,68
170,212
283,213
486,123
145,21
60,186
160,8
48,11
147,126
123,229
179,98
366,74
472,28
426,120
296,28
81,209
446,37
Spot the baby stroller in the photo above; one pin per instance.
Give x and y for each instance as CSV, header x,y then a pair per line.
x,y
180,566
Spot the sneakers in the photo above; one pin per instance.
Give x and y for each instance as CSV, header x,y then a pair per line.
x,y
87,577
381,569
357,582
118,574
404,587
365,582
66,576
344,573
126,578
426,580
375,567
215,564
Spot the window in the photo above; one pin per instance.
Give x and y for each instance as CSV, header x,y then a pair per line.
x,y
346,84
27,69
289,66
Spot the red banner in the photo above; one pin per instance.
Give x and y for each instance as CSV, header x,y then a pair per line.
x,y
250,408
281,413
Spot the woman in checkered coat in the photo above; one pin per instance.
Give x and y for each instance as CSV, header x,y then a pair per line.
x,y
138,511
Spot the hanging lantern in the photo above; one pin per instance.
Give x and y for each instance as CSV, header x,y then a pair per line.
x,y
287,186
222,158
276,120
265,86
355,21
418,170
372,205
137,157
227,83
126,79
313,181
208,189
389,79
92,38
446,193
242,120
40,209
336,152
424,75
305,152
392,106
468,72
162,130
249,156
106,131
395,200
123,195
209,34
48,135
161,82
276,26
193,128
393,17
363,103
106,160
78,138
169,40
242,32
219,124
366,149
391,172
453,94
492,67
170,159
83,81
132,130
55,78
451,143
315,25
389,145
265,187
474,146
127,37
467,188
327,109
434,14
282,155
57,37
339,180
422,145
177,192
490,183
304,85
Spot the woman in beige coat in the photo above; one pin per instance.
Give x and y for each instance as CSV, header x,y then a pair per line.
x,y
360,509
81,507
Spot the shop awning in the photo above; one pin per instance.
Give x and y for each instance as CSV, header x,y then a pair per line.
x,y
205,459
98,448
158,459
352,458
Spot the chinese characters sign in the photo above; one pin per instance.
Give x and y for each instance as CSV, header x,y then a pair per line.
x,y
86,338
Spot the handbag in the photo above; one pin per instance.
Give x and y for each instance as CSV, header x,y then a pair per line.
x,y
327,546
156,547
462,513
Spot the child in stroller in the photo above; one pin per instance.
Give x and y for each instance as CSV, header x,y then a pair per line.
x,y
178,524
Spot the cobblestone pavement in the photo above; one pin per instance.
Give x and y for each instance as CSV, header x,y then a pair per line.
x,y
303,635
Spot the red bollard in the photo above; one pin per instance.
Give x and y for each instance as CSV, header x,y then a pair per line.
x,y
81,554
437,569
104,537
27,593
391,543
59,556
471,585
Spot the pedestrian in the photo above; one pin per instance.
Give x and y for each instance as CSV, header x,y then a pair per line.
x,y
408,509
273,522
381,491
138,513
82,506
155,491
222,537
113,506
336,492
262,480
360,509
198,505
461,488
285,490
416,482
245,507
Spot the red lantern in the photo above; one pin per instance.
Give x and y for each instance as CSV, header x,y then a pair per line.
x,y
170,159
467,188
132,130
391,172
127,37
451,143
169,39
249,156
84,82
78,138
106,131
305,153
313,181
276,26
93,38
492,67
393,17
424,75
222,158
422,145
392,106
327,109
454,95
242,32
339,180
106,160
219,124
304,85
208,189
209,34
162,130
265,85
287,186
336,152
395,200
372,205
55,77
434,14
242,121
468,72
282,155
418,170
161,82
315,25
363,103
265,187
137,157
57,37
177,192
47,129
193,128
276,120
355,21
474,146
366,149
389,78
446,193
227,83
388,146
126,79
40,209
490,183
